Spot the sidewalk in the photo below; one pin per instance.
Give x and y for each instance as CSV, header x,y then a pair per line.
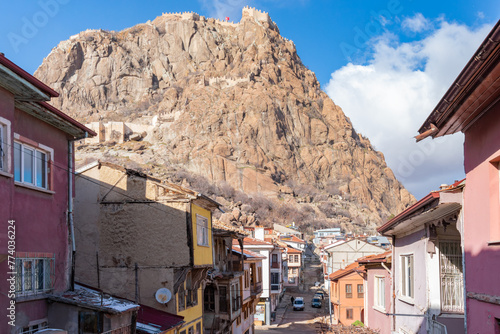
x,y
285,303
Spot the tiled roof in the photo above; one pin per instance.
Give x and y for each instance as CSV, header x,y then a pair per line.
x,y
150,319
254,242
248,253
353,267
293,250
218,225
292,238
375,258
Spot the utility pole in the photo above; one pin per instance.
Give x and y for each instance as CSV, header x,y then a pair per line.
x,y
330,301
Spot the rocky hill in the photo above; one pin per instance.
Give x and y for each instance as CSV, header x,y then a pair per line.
x,y
228,102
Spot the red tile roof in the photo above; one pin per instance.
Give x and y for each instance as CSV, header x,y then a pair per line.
x,y
375,258
353,267
148,315
253,242
293,250
248,253
292,238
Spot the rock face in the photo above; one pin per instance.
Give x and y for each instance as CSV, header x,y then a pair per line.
x,y
231,102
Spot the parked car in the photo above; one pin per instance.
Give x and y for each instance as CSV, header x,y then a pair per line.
x,y
319,294
316,302
298,304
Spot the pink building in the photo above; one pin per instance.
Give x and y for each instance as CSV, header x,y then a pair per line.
x,y
378,291
35,170
471,105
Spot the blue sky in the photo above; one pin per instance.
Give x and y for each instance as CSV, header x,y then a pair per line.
x,y
386,63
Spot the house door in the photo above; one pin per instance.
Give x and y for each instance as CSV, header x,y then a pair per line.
x,y
363,315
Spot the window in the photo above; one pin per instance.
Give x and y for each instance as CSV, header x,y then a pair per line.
x,y
34,275
33,328
290,258
202,230
252,274
296,258
190,330
5,145
3,155
452,286
349,313
275,258
222,298
89,322
348,290
30,165
198,328
181,298
407,276
235,294
190,292
247,279
259,274
275,281
379,295
361,293
209,298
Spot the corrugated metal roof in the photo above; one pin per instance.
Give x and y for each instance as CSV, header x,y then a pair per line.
x,y
152,318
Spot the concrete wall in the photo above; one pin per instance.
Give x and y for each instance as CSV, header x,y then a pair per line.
x,y
153,235
482,214
66,316
354,303
346,253
412,244
375,317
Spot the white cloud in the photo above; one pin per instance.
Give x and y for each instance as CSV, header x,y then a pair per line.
x,y
389,98
418,23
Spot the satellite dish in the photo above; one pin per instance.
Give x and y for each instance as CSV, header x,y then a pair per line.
x,y
163,295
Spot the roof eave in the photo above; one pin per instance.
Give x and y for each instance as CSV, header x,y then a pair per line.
x,y
452,113
56,118
23,85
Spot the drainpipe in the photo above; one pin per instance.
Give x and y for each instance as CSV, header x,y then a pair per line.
x,y
393,286
70,209
70,214
463,265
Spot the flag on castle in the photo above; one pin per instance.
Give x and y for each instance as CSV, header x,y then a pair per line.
x,y
227,18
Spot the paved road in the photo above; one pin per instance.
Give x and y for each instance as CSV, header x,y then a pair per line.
x,y
301,321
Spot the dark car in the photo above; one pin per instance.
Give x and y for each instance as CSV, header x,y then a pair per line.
x,y
316,302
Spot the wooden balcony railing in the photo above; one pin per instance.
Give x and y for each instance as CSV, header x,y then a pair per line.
x,y
256,288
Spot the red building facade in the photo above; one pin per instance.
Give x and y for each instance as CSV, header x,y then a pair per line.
x,y
35,172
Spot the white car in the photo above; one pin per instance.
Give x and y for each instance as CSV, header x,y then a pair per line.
x,y
298,304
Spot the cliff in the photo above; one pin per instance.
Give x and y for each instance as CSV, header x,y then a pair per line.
x,y
231,102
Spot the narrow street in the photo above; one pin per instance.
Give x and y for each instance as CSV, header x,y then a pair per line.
x,y
306,321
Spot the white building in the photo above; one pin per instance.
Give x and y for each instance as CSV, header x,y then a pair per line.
x,y
342,253
326,233
272,274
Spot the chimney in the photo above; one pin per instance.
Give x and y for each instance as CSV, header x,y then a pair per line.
x,y
259,233
443,186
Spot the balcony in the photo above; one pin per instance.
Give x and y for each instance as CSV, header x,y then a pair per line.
x,y
275,287
275,265
256,288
